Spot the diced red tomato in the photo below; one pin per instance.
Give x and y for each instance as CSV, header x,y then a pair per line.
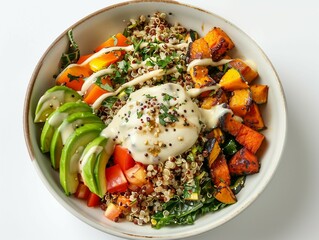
x,y
82,192
115,179
112,212
123,157
93,200
136,175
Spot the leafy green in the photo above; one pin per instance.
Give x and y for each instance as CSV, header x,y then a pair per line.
x,y
109,102
73,53
179,211
166,117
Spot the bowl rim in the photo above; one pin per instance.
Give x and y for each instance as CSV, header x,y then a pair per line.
x,y
27,135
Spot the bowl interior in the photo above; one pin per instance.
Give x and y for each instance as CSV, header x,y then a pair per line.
x,y
94,29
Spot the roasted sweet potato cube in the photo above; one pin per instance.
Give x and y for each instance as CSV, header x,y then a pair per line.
x,y
232,80
249,138
219,170
240,101
219,43
245,70
218,98
253,118
214,150
198,49
243,163
230,125
224,194
200,76
259,93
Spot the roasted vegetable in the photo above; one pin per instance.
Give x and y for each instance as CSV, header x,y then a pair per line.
x,y
219,43
219,170
224,194
253,118
198,49
259,93
200,76
240,102
218,97
230,125
247,72
249,138
232,80
243,163
213,149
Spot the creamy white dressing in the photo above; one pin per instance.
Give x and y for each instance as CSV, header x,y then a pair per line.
x,y
57,119
137,125
206,62
92,79
211,116
195,92
139,80
66,129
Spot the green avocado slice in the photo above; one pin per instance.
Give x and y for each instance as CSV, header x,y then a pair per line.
x,y
52,99
94,160
56,118
67,127
71,153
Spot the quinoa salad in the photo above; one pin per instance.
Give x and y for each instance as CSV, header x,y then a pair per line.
x,y
157,125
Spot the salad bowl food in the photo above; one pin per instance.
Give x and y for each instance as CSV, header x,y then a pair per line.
x,y
164,124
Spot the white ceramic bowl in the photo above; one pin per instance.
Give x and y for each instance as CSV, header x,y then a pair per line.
x,y
94,29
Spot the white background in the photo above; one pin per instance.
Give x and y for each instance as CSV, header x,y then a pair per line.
x,y
288,33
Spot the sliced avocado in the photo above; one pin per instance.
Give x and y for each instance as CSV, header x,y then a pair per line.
x,y
94,160
67,127
71,153
52,99
56,118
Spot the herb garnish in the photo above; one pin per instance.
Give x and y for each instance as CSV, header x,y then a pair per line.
x,y
166,117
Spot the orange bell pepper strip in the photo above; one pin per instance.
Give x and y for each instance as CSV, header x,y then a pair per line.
x,y
105,60
117,40
73,77
95,91
83,58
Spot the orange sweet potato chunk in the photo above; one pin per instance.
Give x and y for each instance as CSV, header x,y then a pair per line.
x,y
230,125
232,80
219,171
259,93
243,163
240,102
218,98
254,119
249,138
219,43
246,71
224,194
198,49
200,76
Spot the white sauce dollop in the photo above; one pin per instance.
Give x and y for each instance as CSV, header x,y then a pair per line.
x,y
160,122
